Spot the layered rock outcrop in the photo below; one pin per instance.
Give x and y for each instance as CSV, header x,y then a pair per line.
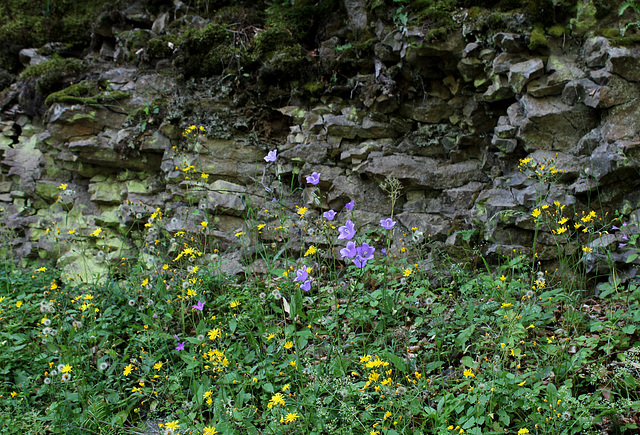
x,y
452,121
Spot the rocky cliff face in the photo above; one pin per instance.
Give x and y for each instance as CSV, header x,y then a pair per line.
x,y
481,127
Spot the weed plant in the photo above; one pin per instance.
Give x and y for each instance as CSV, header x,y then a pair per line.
x,y
344,331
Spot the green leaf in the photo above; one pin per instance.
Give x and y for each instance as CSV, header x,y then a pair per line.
x,y
629,329
469,423
468,362
464,336
233,324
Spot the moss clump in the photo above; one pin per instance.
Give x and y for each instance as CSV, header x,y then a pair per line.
x,y
57,65
437,14
585,18
52,75
25,23
160,48
537,38
202,52
302,19
557,31
609,32
285,63
87,93
626,41
273,39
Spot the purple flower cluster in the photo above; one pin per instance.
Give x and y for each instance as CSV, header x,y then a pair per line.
x,y
303,275
359,255
624,235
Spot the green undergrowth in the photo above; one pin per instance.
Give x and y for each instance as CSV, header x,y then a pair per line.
x,y
352,328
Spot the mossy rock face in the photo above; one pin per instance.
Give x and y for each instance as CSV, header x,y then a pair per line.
x,y
161,48
87,93
284,64
537,39
585,18
25,23
205,52
302,18
272,39
57,65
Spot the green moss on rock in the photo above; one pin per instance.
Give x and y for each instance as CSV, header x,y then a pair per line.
x,y
57,65
537,39
87,93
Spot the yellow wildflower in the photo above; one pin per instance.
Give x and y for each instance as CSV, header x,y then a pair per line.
x,y
127,370
291,417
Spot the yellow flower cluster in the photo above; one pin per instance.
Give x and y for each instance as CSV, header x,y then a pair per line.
x,y
193,130
217,359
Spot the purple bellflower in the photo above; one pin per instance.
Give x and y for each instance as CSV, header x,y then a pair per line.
x,y
301,274
365,253
350,205
329,215
347,231
314,178
388,223
350,251
306,286
272,156
199,306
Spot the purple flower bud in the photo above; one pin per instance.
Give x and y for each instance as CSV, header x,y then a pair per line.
x,y
347,231
388,223
329,215
350,205
622,245
613,227
383,251
271,156
314,178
